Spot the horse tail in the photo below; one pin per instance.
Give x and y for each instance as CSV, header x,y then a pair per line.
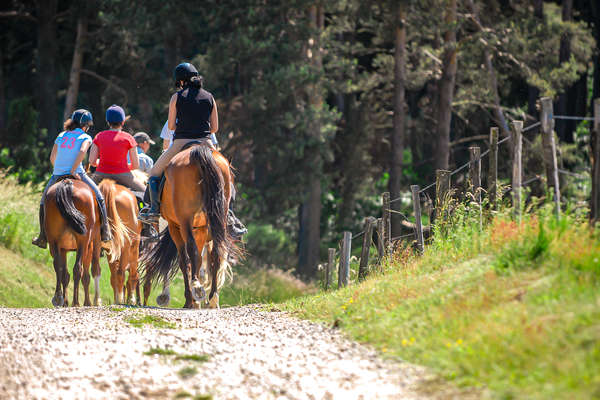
x,y
160,262
213,199
64,201
119,231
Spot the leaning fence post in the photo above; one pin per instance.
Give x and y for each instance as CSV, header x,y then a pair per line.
x,y
363,268
493,168
442,187
387,222
475,172
344,266
549,152
380,248
517,147
417,209
595,144
329,267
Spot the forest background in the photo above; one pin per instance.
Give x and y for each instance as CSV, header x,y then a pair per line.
x,y
323,104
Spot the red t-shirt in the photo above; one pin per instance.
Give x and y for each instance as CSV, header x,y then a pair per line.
x,y
112,151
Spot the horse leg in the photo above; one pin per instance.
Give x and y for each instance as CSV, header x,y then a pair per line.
x,y
85,278
59,260
183,265
133,278
114,280
198,291
65,279
215,266
77,275
96,272
147,289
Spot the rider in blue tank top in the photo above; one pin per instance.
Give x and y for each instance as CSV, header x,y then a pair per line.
x,y
70,148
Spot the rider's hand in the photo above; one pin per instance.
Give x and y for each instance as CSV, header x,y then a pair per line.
x,y
76,176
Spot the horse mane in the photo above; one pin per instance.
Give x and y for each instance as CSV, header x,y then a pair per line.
x,y
140,176
121,234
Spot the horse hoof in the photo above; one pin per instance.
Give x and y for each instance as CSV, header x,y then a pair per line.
x,y
98,302
163,300
214,302
198,292
57,300
131,301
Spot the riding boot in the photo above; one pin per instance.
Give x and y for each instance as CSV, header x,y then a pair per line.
x,y
235,227
41,240
152,214
105,234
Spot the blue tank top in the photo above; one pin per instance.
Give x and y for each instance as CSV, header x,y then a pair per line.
x,y
68,145
194,107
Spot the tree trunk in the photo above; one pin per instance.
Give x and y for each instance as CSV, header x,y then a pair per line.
x,y
309,237
534,92
76,63
492,80
596,58
47,50
564,54
399,115
446,88
2,96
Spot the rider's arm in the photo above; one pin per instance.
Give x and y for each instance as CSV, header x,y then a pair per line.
x,y
94,155
214,118
80,156
133,156
173,112
166,143
53,154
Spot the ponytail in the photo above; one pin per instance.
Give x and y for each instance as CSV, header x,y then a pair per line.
x,y
195,82
69,125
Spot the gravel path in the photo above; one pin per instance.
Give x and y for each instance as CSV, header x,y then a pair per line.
x,y
96,353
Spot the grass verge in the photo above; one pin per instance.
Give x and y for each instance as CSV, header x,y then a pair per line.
x,y
155,321
512,309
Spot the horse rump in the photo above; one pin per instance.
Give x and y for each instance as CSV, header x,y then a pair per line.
x,y
64,202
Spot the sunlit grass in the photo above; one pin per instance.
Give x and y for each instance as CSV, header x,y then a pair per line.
x,y
512,309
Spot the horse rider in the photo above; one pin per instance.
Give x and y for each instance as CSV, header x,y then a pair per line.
x,y
68,152
143,145
111,149
193,115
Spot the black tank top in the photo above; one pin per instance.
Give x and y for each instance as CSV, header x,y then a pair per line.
x,y
194,107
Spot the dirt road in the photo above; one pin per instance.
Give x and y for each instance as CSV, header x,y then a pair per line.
x,y
234,353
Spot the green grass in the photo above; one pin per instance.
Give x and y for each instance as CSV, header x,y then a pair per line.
x,y
187,372
512,310
27,277
155,321
159,351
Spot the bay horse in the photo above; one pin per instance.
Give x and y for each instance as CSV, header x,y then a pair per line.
x,y
123,250
72,223
194,202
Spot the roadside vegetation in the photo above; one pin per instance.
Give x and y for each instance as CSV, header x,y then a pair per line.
x,y
510,308
27,276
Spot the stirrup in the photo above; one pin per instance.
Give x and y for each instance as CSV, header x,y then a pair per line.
x,y
147,215
39,242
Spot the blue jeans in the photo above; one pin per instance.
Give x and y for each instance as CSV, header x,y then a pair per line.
x,y
85,178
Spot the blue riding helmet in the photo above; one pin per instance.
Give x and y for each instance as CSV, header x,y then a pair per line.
x,y
83,117
115,114
184,72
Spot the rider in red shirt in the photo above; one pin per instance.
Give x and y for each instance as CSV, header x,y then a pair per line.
x,y
110,149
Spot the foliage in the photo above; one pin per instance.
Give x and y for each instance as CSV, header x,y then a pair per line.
x,y
509,309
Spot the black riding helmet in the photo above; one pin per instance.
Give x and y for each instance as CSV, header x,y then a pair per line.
x,y
184,72
82,117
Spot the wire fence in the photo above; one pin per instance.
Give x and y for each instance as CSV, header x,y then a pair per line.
x,y
382,226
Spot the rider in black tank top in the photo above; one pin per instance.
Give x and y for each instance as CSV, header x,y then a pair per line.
x,y
194,107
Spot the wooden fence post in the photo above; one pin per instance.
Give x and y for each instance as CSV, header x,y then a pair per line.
x,y
493,169
330,266
517,147
387,222
363,268
595,144
380,246
549,146
442,187
344,266
475,172
417,208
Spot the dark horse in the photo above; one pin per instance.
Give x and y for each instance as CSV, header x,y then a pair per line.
x,y
72,223
194,202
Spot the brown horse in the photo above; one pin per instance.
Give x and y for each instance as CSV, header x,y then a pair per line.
x,y
72,223
194,202
124,249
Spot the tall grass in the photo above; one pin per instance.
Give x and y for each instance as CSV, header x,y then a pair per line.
x,y
508,307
